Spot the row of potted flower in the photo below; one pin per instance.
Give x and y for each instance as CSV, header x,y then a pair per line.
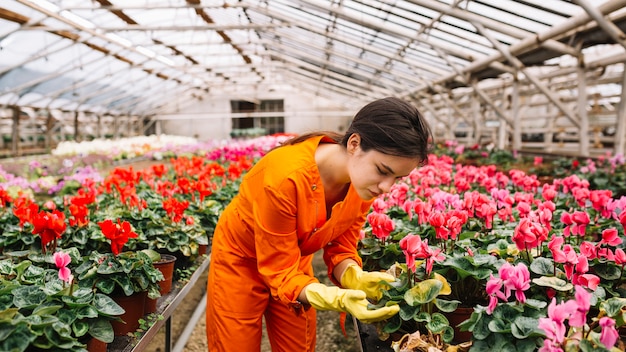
x,y
67,260
541,266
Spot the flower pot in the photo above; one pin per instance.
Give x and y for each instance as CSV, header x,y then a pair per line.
x,y
150,305
457,317
202,249
133,311
166,267
95,345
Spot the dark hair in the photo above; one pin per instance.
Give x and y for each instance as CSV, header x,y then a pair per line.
x,y
390,125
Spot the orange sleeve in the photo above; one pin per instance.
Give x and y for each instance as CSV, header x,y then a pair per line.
x,y
345,246
276,240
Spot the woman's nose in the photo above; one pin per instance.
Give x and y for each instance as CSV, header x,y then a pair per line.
x,y
385,185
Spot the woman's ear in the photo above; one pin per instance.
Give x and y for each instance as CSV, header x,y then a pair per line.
x,y
354,142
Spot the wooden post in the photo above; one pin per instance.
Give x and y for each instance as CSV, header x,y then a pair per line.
x,y
76,127
15,132
49,126
620,128
582,108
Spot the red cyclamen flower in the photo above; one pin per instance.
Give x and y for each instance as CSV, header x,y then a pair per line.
x,y
49,226
118,233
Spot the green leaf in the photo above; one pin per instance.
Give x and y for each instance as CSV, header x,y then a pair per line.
x,y
6,302
529,345
21,267
6,267
586,346
408,312
105,286
438,322
87,312
523,327
102,330
481,328
80,328
47,308
448,334
542,266
499,326
76,302
8,314
554,282
422,317
446,306
19,340
535,303
393,324
423,292
613,306
28,297
152,254
107,306
68,316
607,272
468,325
506,312
503,343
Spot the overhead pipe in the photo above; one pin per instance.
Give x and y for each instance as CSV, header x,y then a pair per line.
x,y
356,60
520,66
534,41
620,132
324,6
583,134
93,32
609,27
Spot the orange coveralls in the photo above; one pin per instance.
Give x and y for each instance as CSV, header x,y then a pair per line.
x,y
263,247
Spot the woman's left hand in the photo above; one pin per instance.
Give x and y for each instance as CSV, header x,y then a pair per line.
x,y
370,282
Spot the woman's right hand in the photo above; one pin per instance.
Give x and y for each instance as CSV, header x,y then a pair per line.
x,y
322,297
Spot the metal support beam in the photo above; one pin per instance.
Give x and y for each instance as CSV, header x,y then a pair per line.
x,y
501,113
15,131
620,133
515,111
582,108
99,126
49,126
609,27
534,41
76,127
477,121
520,66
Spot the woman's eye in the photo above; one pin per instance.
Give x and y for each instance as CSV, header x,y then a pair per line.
x,y
380,171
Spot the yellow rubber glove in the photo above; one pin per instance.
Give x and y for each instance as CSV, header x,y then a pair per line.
x,y
367,281
322,297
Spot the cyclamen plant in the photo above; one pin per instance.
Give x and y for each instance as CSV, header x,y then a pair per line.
x,y
523,243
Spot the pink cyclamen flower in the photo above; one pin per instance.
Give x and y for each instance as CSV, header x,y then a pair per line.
x,y
411,245
554,324
611,237
61,260
519,280
494,290
382,224
608,335
583,303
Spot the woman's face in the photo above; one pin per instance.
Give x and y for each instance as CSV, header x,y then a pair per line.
x,y
372,172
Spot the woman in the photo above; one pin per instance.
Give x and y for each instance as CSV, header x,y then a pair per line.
x,y
311,193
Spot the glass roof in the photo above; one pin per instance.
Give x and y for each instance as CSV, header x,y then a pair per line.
x,y
130,56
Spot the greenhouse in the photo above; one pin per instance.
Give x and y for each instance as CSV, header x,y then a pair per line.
x,y
469,153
